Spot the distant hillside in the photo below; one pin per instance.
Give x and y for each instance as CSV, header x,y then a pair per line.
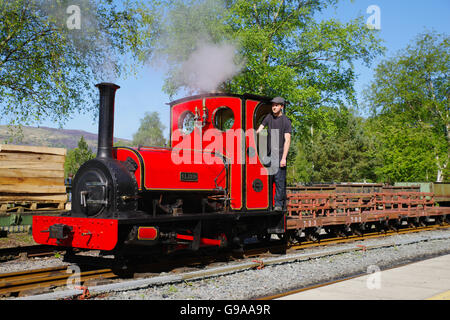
x,y
51,137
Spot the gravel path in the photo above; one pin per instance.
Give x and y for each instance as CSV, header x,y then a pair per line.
x,y
279,278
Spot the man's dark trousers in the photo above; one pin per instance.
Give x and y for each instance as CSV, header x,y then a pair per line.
x,y
280,187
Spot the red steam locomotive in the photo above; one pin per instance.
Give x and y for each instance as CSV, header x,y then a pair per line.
x,y
208,189
211,187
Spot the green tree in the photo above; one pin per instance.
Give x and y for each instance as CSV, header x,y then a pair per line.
x,y
121,143
341,151
282,47
150,132
53,52
404,153
410,105
76,157
301,168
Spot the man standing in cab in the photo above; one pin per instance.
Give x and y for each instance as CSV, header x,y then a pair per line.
x,y
279,141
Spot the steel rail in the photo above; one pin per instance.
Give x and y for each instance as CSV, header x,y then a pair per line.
x,y
11,253
371,235
18,282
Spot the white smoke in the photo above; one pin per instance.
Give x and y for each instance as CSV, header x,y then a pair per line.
x,y
194,48
208,67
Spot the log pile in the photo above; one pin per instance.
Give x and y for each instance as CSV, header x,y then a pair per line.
x,y
31,178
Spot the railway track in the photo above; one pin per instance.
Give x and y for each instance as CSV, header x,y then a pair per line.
x,y
30,251
370,235
23,283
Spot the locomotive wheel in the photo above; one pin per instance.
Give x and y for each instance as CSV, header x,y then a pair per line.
x,y
237,245
123,267
282,237
264,238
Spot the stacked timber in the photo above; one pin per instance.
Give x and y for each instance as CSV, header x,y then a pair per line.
x,y
31,178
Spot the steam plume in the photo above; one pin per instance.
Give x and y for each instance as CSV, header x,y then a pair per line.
x,y
208,67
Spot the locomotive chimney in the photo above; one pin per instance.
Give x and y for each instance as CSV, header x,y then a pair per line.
x,y
106,119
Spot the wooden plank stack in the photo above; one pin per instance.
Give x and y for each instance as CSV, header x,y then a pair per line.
x,y
31,177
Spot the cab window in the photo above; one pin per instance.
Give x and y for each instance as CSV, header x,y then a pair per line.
x,y
223,118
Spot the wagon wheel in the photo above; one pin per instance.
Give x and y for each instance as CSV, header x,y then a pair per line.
x,y
331,231
357,230
413,222
422,222
392,225
343,231
440,220
381,227
311,235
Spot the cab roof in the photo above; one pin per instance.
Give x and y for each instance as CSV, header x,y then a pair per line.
x,y
221,94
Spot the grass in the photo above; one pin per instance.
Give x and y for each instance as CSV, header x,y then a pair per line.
x,y
17,239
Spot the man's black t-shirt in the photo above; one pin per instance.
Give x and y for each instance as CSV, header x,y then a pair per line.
x,y
283,124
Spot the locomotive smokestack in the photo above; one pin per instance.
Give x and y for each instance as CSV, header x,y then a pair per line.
x,y
106,119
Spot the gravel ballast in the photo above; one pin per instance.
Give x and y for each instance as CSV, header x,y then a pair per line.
x,y
274,279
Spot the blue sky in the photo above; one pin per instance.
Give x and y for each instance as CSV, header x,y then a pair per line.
x,y
401,21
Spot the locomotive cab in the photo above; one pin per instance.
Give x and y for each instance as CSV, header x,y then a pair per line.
x,y
226,124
